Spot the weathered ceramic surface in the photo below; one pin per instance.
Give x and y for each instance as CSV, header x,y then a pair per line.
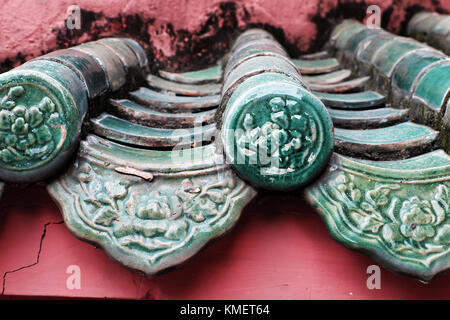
x,y
355,40
118,129
140,53
354,101
340,28
431,95
365,119
389,55
257,65
140,114
196,90
127,56
347,34
408,70
422,28
85,66
252,49
212,74
162,101
276,134
357,83
329,77
396,211
387,58
434,86
415,19
123,51
442,27
397,141
42,108
251,35
432,28
111,63
315,55
316,66
149,215
368,48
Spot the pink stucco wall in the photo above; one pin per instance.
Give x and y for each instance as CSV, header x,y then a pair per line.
x,y
185,33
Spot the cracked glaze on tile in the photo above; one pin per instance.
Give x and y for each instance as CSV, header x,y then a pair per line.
x,y
396,211
149,220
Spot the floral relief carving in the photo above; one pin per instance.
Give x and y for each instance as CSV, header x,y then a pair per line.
x,y
156,220
412,224
289,135
25,131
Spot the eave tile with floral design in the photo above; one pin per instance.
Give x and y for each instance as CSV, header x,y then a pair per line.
x,y
396,211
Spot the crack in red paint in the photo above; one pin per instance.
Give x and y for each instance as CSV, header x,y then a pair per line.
x,y
44,232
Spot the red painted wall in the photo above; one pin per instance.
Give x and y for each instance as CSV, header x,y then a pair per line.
x,y
185,33
279,249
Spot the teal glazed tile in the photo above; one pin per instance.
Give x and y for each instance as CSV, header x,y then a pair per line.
x,y
141,114
88,69
111,63
270,106
368,48
415,20
412,65
149,210
387,57
257,65
140,53
408,72
337,30
345,86
329,77
42,104
352,101
398,141
423,27
316,66
183,88
434,86
251,35
252,49
118,129
128,58
442,28
367,119
353,42
440,35
170,103
347,34
394,211
123,51
211,74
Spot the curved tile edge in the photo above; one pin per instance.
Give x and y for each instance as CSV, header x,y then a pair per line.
x,y
402,220
149,226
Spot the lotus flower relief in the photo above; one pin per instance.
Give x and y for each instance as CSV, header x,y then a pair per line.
x,y
24,134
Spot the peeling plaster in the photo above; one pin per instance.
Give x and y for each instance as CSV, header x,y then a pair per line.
x,y
186,34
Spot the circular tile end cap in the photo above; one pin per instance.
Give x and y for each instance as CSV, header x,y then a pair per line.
x,y
39,125
276,134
